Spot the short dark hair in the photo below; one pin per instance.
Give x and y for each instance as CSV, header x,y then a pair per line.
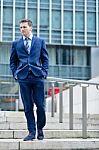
x,y
26,20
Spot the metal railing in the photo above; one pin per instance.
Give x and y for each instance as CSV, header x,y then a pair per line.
x,y
71,83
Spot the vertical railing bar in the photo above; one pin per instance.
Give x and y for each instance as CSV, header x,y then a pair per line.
x,y
52,102
71,107
60,102
84,112
17,105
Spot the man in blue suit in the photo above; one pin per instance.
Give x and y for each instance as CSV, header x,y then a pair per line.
x,y
29,65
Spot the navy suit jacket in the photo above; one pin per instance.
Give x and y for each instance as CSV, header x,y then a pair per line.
x,y
21,61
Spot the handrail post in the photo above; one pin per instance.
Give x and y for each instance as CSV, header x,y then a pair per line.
x,y
52,102
60,102
17,105
84,111
71,107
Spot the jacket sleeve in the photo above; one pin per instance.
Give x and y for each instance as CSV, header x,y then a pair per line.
x,y
44,58
13,59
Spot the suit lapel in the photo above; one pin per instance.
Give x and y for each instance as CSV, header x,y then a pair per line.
x,y
32,43
22,44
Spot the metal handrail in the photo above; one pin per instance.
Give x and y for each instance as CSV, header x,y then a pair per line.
x,y
71,83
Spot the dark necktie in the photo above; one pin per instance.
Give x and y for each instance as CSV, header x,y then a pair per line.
x,y
27,45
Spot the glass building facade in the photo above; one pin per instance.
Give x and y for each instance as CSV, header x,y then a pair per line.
x,y
69,27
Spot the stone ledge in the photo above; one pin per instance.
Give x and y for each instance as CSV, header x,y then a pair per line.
x,y
49,134
50,144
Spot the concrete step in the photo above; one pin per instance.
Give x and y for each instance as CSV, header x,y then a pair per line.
x,y
50,144
12,115
49,126
55,126
49,134
19,116
16,120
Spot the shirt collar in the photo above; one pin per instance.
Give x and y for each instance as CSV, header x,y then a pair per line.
x,y
30,37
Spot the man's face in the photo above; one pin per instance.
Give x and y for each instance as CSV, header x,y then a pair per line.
x,y
25,29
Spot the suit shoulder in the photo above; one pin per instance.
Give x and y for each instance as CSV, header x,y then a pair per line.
x,y
38,39
17,40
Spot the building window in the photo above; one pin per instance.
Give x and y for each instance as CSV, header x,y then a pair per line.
x,y
69,55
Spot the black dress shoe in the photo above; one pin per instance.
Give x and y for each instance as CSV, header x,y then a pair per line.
x,y
40,135
29,137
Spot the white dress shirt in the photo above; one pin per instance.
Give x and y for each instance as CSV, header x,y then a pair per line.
x,y
29,41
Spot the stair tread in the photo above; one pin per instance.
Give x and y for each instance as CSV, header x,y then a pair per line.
x,y
49,144
63,139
